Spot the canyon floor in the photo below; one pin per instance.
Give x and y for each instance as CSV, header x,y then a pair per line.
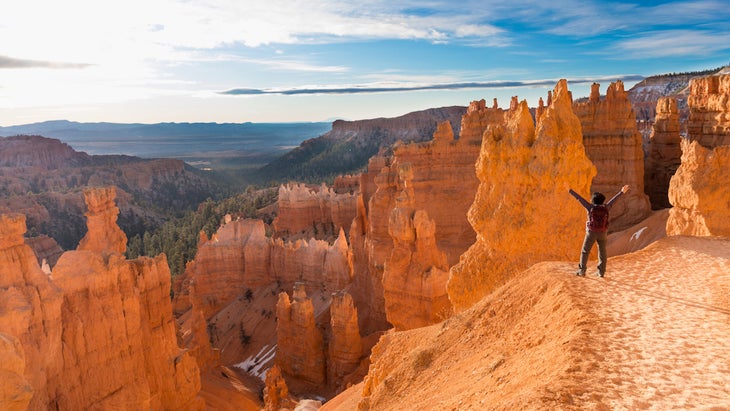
x,y
653,334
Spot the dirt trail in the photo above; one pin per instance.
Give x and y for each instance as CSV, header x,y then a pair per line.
x,y
661,329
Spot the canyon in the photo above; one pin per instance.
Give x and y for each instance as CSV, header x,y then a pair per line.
x,y
439,277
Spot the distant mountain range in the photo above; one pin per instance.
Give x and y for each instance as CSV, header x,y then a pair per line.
x,y
178,140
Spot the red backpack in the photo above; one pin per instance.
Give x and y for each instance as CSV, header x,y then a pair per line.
x,y
598,218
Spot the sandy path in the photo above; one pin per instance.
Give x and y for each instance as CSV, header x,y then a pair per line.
x,y
661,336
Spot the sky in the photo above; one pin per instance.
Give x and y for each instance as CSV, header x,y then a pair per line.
x,y
149,61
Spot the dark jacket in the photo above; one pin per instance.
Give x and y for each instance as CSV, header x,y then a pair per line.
x,y
588,206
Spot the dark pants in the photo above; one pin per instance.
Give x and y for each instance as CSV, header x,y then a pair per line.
x,y
600,237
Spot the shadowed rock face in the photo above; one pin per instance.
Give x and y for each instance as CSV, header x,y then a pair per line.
x,y
614,145
98,331
300,345
522,212
345,345
664,153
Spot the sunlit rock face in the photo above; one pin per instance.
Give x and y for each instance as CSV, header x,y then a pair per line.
x,y
98,331
239,256
698,191
319,212
415,274
709,105
614,145
104,235
417,224
522,212
664,152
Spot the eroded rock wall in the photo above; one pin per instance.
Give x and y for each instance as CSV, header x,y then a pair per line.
x,y
345,349
319,212
240,257
300,345
699,192
97,332
614,145
522,212
709,110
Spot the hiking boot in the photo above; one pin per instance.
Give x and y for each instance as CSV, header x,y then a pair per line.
x,y
599,274
580,273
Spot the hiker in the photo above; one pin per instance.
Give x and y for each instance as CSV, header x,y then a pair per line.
x,y
596,228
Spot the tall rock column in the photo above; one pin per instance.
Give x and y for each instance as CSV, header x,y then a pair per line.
x,y
614,145
30,314
345,346
97,332
104,235
664,152
300,346
522,212
416,273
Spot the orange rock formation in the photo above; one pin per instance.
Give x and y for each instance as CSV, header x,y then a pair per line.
x,y
104,235
415,274
709,106
664,152
239,256
300,345
436,181
345,346
699,192
522,213
320,212
98,332
276,393
614,145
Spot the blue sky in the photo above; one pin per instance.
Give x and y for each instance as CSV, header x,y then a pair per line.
x,y
316,60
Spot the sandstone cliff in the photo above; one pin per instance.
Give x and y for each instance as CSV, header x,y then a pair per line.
x,y
300,345
350,144
319,212
98,332
417,225
614,145
709,106
664,152
345,348
522,212
415,274
699,193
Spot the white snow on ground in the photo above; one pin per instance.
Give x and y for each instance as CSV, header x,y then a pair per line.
x,y
253,365
636,235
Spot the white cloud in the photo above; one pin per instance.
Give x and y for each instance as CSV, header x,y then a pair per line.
x,y
674,43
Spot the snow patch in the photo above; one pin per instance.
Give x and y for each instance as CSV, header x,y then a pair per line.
x,y
254,365
637,234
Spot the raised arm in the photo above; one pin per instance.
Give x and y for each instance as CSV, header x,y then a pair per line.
x,y
625,189
582,200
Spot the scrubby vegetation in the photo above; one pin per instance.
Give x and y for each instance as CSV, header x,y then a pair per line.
x,y
178,238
